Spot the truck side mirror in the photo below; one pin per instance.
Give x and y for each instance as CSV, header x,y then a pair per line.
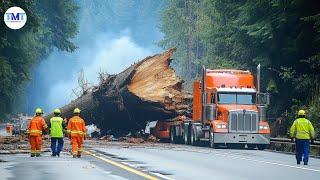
x,y
263,98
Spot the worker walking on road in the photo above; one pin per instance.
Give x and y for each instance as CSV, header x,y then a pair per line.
x,y
34,131
302,132
76,130
56,126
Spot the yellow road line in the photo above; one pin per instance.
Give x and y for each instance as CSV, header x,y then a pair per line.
x,y
127,168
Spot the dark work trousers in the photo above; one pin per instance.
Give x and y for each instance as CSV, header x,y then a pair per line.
x,y
54,148
302,147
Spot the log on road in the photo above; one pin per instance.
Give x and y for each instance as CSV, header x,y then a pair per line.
x,y
146,91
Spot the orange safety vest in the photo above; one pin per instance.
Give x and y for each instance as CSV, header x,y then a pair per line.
x,y
76,127
36,125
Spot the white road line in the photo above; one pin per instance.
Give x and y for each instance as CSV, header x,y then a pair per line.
x,y
273,163
162,176
240,156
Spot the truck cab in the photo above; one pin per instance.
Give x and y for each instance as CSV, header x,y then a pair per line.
x,y
228,109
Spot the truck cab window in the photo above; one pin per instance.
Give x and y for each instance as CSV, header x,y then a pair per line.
x,y
236,98
246,98
227,98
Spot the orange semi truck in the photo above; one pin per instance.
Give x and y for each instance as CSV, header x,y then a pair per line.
x,y
228,109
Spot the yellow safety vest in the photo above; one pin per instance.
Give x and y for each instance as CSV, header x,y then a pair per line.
x,y
56,129
302,129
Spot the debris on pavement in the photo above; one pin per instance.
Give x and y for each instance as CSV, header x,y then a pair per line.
x,y
152,138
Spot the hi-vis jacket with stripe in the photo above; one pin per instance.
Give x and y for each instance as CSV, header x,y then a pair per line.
x,y
36,126
302,129
76,127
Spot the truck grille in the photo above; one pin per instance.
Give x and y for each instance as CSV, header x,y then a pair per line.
x,y
245,122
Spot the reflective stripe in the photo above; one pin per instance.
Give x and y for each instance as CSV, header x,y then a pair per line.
x,y
301,132
76,132
76,120
35,151
36,131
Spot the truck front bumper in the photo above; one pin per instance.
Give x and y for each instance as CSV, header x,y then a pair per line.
x,y
225,138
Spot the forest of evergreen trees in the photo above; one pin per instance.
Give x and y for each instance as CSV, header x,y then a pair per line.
x,y
51,24
282,35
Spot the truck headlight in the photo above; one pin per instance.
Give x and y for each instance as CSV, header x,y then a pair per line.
x,y
263,127
221,126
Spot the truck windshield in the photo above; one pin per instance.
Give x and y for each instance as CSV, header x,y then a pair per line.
x,y
237,98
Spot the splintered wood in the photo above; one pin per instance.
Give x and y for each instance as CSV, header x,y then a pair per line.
x,y
155,81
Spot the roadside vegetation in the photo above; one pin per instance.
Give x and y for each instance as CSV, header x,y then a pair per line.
x,y
283,36
50,25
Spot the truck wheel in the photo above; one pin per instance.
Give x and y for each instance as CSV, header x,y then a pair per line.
x,y
262,146
193,140
186,138
172,135
211,139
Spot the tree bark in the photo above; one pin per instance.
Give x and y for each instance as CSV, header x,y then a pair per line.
x,y
146,91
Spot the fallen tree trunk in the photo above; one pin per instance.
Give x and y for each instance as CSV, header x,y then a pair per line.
x,y
146,91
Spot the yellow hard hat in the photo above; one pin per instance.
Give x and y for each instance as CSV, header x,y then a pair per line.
x,y
301,113
39,111
76,111
57,111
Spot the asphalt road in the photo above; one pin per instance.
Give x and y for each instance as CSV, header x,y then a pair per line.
x,y
187,162
23,167
158,161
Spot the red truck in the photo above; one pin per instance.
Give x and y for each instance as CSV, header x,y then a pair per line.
x,y
228,109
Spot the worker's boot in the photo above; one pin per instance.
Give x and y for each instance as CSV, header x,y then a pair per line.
x,y
32,155
79,156
74,156
38,155
305,163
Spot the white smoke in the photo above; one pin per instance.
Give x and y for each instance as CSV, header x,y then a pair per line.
x,y
107,55
114,56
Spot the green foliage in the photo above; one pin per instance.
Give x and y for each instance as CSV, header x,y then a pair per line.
x,y
50,24
283,36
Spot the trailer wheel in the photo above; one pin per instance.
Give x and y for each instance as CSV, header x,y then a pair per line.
x,y
173,138
193,136
211,139
186,134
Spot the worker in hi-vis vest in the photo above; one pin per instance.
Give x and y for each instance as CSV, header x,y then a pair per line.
x,y
302,132
34,132
76,130
57,126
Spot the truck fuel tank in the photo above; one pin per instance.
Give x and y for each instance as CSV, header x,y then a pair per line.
x,y
211,111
